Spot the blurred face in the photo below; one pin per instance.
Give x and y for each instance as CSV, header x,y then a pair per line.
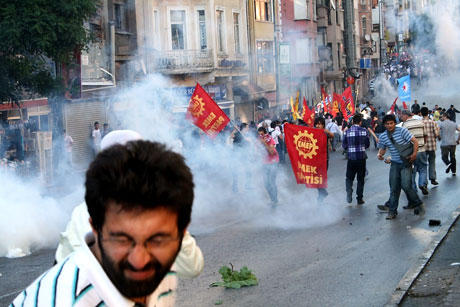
x,y
319,125
137,248
96,126
390,125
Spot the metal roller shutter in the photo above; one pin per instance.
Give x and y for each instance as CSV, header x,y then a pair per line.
x,y
79,122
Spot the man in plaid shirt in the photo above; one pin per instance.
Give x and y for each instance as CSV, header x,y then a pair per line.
x,y
432,133
355,141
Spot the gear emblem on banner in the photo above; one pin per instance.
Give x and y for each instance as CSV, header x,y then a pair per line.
x,y
305,144
197,107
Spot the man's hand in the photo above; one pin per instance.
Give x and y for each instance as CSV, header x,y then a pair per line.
x,y
412,157
380,156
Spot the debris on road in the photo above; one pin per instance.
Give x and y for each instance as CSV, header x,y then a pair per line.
x,y
234,279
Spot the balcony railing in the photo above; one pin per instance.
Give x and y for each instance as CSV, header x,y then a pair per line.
x,y
183,61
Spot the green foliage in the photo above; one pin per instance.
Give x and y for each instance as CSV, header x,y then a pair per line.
x,y
234,279
219,302
33,30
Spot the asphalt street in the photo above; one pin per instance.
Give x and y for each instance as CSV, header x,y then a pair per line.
x,y
304,253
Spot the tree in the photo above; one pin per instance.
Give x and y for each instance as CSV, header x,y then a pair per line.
x,y
32,32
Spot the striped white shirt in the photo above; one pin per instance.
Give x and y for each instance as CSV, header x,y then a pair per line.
x,y
401,136
79,280
417,129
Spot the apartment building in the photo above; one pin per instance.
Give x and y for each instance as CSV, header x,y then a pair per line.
x,y
299,70
331,45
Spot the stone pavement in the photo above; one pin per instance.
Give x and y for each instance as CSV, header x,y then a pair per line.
x,y
438,283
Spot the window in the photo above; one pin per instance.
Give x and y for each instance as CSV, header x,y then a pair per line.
x,y
220,31
236,32
264,57
178,29
156,30
364,26
263,10
300,9
202,30
363,2
308,9
120,16
315,14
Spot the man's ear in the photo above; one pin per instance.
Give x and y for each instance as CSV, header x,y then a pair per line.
x,y
93,229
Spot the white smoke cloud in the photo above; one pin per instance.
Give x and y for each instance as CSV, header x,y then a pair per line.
x,y
29,220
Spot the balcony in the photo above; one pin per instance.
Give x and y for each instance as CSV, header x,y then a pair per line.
x,y
183,61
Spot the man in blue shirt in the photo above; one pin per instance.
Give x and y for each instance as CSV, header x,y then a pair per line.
x,y
400,172
355,142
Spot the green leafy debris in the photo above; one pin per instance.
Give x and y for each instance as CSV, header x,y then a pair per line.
x,y
219,302
234,279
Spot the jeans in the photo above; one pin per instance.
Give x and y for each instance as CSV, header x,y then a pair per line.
x,y
270,171
401,178
420,167
358,168
445,152
335,140
280,150
431,156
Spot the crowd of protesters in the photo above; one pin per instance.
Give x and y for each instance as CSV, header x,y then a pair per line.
x,y
417,130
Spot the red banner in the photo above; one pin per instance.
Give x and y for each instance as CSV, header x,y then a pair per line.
x,y
347,97
336,104
307,149
205,113
342,106
405,106
308,116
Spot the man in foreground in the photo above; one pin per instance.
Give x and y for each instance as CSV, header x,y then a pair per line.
x,y
139,199
189,262
400,171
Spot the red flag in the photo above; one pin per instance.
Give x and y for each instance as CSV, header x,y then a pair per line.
x,y
205,113
307,149
347,97
308,116
392,109
342,106
336,105
405,106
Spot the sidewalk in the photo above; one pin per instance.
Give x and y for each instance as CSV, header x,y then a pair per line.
x,y
435,279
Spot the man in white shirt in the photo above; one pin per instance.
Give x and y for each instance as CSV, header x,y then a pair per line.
x,y
332,127
96,138
139,198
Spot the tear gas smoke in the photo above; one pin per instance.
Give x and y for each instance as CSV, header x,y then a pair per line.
x,y
29,220
215,165
435,44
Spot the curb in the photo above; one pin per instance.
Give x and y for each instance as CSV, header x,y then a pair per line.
x,y
406,282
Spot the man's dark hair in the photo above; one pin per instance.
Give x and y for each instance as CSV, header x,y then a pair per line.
x,y
243,125
357,118
96,123
320,120
446,115
451,105
262,129
140,175
424,111
389,117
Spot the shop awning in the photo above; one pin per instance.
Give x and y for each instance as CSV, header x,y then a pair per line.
x,y
249,90
5,106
